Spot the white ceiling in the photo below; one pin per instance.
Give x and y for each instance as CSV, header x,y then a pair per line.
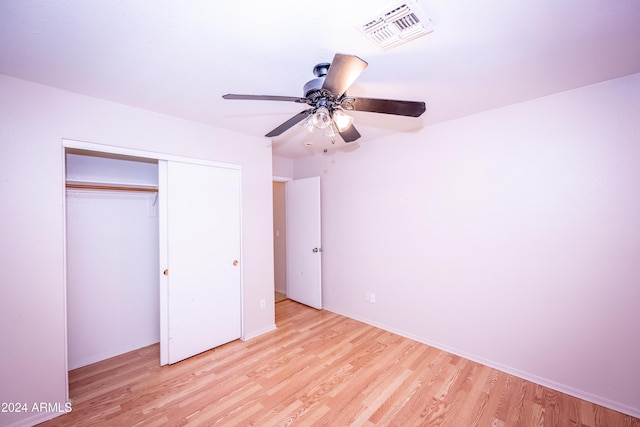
x,y
179,57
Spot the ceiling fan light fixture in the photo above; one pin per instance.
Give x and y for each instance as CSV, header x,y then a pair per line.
x,y
330,131
321,118
342,120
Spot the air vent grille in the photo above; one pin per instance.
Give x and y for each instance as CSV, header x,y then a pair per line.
x,y
397,25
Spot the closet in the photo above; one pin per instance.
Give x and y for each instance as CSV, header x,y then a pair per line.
x,y
112,255
153,254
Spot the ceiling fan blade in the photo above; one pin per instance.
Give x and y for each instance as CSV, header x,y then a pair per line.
x,y
387,106
265,98
291,122
350,134
343,71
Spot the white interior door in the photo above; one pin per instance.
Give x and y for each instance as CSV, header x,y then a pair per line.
x,y
304,267
200,294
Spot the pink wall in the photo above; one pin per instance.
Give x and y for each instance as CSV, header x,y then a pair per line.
x,y
511,237
282,167
33,121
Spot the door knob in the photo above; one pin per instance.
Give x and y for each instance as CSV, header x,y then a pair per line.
x,y
235,262
166,272
317,249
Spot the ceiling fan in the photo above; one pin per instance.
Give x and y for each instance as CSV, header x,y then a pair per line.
x,y
326,94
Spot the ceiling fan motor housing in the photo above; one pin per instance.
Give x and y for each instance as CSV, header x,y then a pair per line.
x,y
312,87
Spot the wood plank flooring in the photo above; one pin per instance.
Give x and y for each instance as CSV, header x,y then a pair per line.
x,y
279,296
318,368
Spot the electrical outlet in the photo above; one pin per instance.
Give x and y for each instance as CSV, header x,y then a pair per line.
x,y
263,304
372,298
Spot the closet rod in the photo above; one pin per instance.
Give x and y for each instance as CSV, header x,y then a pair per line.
x,y
110,187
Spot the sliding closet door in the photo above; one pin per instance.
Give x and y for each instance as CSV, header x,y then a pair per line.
x,y
200,255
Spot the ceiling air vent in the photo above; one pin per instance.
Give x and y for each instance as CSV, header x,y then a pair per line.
x,y
398,24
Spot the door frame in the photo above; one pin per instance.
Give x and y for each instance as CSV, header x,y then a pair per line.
x,y
286,181
154,155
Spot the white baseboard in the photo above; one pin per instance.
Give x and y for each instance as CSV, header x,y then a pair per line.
x,y
255,334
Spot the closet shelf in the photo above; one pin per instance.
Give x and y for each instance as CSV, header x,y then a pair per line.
x,y
111,187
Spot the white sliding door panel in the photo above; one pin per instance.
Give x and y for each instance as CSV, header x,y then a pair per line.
x,y
304,267
202,301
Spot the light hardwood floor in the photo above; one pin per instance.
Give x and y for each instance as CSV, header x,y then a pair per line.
x,y
279,296
318,368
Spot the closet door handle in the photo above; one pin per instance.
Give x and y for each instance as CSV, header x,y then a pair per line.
x,y
166,272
